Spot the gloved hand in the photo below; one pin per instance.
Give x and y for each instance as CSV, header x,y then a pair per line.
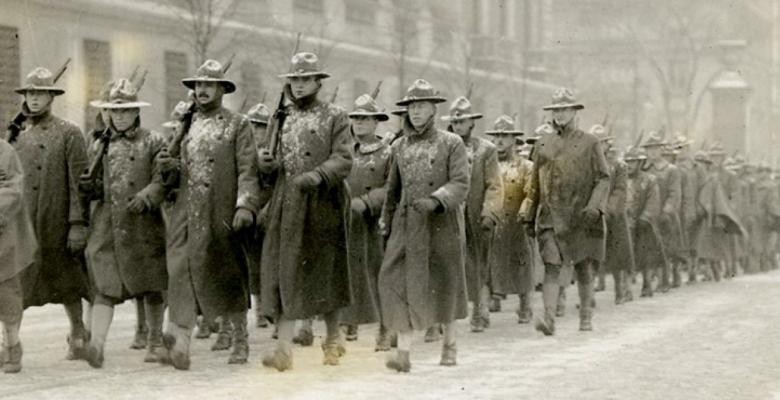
x,y
530,228
590,216
358,206
308,181
426,205
138,204
243,219
266,163
488,224
77,238
166,163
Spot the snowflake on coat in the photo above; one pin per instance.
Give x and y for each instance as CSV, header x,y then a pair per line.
x,y
206,134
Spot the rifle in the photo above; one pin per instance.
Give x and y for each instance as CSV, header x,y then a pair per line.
x,y
469,90
15,127
134,73
280,115
375,93
243,104
334,95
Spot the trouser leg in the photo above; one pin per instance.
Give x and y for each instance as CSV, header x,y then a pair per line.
x,y
584,272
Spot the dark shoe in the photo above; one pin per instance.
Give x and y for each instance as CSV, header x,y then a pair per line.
x,y
178,359
449,353
394,340
382,341
560,310
94,356
351,333
240,353
546,325
224,341
331,353
275,335
140,340
305,337
154,354
77,349
12,359
281,359
399,362
646,292
585,320
260,320
495,305
524,316
476,322
204,331
433,334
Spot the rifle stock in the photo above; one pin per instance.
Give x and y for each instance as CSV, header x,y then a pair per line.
x,y
279,115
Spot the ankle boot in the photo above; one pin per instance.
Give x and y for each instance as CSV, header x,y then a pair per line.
x,y
140,339
13,359
203,329
154,320
560,307
399,362
433,334
524,313
382,339
449,353
225,336
177,347
550,294
305,336
281,358
240,352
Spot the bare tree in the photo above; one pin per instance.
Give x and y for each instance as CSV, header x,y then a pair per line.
x,y
202,22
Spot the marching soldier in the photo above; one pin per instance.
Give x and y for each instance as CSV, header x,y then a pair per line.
x,y
305,268
483,204
643,204
619,253
511,256
17,252
367,188
689,184
569,189
768,221
214,159
53,155
669,183
422,279
259,116
728,181
126,247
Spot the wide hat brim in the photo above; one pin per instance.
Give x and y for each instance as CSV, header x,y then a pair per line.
x,y
449,118
505,133
410,100
54,90
400,112
576,106
318,74
258,121
635,158
123,105
229,85
378,115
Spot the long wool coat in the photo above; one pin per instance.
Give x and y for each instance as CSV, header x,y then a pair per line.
x,y
619,254
367,184
126,251
53,156
570,173
643,205
716,220
670,186
17,240
305,270
768,218
689,183
218,175
422,280
511,254
483,201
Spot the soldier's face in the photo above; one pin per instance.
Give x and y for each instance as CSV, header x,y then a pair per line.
x,y
654,152
420,112
463,127
563,116
718,159
259,129
363,127
207,92
505,144
302,86
633,166
37,100
123,118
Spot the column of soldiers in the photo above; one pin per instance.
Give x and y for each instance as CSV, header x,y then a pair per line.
x,y
310,212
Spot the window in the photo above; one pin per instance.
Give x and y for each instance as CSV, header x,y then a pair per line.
x,y
361,11
251,84
9,73
97,62
175,70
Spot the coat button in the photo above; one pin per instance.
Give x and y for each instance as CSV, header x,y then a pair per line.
x,y
211,160
43,146
308,154
39,168
132,158
430,184
131,183
206,184
35,187
368,188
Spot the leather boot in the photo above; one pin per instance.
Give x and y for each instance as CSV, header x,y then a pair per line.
x,y
141,330
550,294
476,322
331,351
281,358
676,276
77,338
305,335
495,304
602,282
102,315
617,276
647,284
240,352
204,329
560,307
433,334
663,286
154,320
449,353
260,320
13,359
382,339
351,333
399,362
585,289
715,271
524,313
177,347
224,336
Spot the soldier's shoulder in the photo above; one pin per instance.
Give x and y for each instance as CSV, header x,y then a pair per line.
x,y
485,143
335,110
588,137
449,138
65,125
154,135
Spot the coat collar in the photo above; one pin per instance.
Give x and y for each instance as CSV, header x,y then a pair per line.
x,y
427,131
370,148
